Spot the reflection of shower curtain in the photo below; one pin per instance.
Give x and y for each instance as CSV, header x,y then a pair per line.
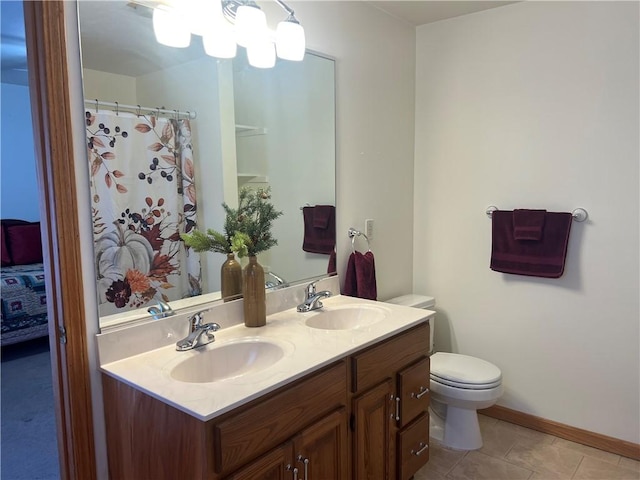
x,y
143,197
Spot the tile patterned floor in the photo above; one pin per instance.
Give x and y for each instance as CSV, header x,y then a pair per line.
x,y
511,452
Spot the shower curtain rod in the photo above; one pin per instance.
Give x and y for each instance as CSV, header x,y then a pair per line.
x,y
137,109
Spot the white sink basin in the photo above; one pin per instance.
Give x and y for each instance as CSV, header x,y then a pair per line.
x,y
347,317
228,360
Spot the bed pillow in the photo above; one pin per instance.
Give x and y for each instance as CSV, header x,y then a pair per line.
x,y
6,255
24,243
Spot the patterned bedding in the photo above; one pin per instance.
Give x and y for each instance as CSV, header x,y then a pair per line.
x,y
24,303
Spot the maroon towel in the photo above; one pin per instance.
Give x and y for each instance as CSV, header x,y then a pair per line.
x,y
331,267
322,215
543,258
350,278
319,239
528,224
360,277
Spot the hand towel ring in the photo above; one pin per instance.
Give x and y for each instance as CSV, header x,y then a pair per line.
x,y
353,233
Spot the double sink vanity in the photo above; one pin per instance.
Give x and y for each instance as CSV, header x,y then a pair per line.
x,y
339,392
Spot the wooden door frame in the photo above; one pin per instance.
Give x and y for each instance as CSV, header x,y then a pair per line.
x,y
51,112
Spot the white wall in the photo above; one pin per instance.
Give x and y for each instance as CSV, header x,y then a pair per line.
x,y
535,105
20,195
109,87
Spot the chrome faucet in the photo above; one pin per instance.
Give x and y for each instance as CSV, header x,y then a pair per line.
x,y
277,282
312,298
199,333
162,310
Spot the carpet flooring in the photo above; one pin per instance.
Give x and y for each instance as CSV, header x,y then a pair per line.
x,y
28,443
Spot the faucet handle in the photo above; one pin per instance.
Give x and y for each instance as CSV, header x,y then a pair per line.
x,y
164,306
195,320
311,289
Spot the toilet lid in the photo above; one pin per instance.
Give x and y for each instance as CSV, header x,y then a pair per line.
x,y
463,371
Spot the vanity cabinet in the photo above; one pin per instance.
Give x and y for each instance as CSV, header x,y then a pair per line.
x,y
362,417
390,419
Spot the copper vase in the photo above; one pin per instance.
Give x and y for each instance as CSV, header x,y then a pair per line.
x,y
255,307
231,278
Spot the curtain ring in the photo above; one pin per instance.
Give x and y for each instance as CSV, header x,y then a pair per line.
x,y
138,111
188,114
96,105
157,112
177,114
117,109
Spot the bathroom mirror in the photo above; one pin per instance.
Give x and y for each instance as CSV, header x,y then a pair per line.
x,y
227,124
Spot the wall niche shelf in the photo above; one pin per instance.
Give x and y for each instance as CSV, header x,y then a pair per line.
x,y
252,177
249,131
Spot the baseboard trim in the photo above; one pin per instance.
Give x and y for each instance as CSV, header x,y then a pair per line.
x,y
578,435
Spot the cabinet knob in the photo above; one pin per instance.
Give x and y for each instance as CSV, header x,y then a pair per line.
x,y
421,449
423,391
289,468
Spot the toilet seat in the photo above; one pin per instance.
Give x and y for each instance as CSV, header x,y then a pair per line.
x,y
468,386
464,371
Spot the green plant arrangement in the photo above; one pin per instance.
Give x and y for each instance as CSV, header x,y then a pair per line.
x,y
252,223
247,229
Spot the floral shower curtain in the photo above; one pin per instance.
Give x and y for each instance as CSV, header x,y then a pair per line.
x,y
143,197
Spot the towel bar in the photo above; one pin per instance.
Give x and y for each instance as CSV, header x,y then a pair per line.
x,y
579,214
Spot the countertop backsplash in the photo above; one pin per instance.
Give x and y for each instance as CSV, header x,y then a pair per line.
x,y
124,341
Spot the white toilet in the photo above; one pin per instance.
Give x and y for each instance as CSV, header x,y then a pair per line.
x,y
460,385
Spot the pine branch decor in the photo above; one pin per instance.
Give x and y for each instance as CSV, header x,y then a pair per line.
x,y
247,229
253,222
211,241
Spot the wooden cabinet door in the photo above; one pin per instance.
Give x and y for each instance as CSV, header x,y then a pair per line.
x,y
373,448
274,465
320,451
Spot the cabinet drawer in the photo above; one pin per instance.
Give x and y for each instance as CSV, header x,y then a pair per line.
x,y
384,360
267,423
413,389
413,447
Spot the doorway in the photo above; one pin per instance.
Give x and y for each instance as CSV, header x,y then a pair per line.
x,y
27,400
45,31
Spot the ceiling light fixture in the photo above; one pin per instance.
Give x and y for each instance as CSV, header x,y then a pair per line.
x,y
224,24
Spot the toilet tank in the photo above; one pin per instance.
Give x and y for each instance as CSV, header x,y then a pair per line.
x,y
418,301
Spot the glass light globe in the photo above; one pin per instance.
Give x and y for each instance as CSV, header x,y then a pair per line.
x,y
251,23
202,14
220,42
290,41
170,28
262,54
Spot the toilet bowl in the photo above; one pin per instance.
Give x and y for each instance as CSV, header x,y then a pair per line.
x,y
463,384
459,385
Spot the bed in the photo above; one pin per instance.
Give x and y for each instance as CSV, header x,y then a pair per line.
x,y
22,282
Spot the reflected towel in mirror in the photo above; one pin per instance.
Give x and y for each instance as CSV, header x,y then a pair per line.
x,y
319,229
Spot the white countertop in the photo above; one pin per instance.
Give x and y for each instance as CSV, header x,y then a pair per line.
x,y
305,349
